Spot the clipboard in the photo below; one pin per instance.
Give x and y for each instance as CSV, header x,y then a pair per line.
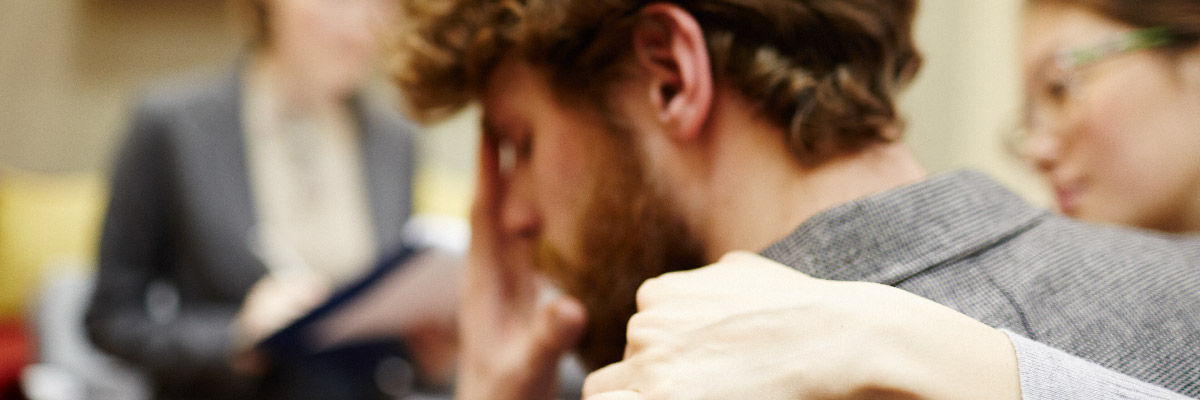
x,y
301,337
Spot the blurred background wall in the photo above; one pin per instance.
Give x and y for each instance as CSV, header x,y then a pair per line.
x,y
72,69
966,99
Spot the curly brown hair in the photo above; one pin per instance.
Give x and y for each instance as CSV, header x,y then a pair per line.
x,y
826,71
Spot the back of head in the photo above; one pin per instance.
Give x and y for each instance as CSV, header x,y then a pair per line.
x,y
825,71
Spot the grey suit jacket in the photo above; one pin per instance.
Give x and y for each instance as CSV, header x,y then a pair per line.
x,y
180,215
1127,300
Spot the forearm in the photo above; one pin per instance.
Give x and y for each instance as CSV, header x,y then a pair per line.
x,y
1049,373
193,344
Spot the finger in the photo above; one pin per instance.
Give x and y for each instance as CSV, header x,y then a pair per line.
x,y
558,326
482,279
505,266
613,378
618,395
738,261
658,326
651,292
682,287
740,257
733,274
644,330
487,183
484,211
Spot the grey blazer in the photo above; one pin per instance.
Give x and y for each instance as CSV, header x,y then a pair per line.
x,y
1127,300
179,217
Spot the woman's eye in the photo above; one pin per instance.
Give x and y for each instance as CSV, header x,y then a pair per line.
x,y
1057,90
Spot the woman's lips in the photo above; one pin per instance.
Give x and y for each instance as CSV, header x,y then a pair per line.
x,y
1068,198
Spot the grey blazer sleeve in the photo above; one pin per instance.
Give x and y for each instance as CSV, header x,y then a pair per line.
x,y
1049,373
183,343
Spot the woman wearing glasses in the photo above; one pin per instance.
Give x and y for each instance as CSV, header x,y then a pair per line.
x,y
1113,109
1112,121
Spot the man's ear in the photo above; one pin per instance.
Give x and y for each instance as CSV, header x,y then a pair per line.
x,y
670,45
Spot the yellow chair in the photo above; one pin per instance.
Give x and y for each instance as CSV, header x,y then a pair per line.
x,y
45,221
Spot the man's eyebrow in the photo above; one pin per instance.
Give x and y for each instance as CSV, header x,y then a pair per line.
x,y
495,127
490,128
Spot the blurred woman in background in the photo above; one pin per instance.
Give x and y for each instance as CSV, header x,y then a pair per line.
x,y
1113,109
279,166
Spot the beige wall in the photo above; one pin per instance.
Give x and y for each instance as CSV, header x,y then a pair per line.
x,y
967,95
72,67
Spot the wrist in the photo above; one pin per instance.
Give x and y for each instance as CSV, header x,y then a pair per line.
x,y
986,368
483,381
1007,375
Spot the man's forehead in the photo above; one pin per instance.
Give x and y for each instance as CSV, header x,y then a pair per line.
x,y
508,87
515,93
518,98
511,73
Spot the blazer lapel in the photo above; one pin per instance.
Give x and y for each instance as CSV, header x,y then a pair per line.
x,y
228,142
226,202
388,164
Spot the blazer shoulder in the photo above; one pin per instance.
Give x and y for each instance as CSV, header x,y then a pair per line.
x,y
387,115
190,94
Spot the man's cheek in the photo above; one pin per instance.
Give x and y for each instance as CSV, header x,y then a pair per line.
x,y
550,262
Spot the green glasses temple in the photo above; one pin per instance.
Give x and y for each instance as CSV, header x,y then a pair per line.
x,y
1141,39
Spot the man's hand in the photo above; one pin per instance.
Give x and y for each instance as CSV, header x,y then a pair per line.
x,y
747,327
515,327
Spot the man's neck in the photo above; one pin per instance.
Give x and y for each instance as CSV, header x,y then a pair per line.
x,y
756,193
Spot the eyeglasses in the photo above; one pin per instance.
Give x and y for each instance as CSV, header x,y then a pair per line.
x,y
1055,97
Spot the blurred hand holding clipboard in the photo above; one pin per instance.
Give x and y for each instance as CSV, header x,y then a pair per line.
x,y
409,298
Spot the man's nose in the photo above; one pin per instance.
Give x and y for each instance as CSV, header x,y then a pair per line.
x,y
519,210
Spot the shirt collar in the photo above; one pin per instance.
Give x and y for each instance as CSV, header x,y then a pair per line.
x,y
891,236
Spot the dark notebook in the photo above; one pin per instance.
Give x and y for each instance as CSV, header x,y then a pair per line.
x,y
300,337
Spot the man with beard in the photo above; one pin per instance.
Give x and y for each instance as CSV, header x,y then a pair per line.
x,y
625,138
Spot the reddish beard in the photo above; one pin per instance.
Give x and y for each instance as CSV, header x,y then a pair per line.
x,y
628,233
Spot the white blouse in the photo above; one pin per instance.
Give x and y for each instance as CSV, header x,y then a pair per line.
x,y
307,180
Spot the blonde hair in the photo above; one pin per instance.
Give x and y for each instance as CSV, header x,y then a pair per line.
x,y
253,17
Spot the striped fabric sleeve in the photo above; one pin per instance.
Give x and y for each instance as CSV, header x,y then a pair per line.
x,y
1050,373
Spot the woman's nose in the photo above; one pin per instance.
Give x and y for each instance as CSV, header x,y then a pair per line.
x,y
1042,150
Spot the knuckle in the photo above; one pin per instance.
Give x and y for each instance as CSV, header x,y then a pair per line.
x,y
647,293
638,321
640,330
596,382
